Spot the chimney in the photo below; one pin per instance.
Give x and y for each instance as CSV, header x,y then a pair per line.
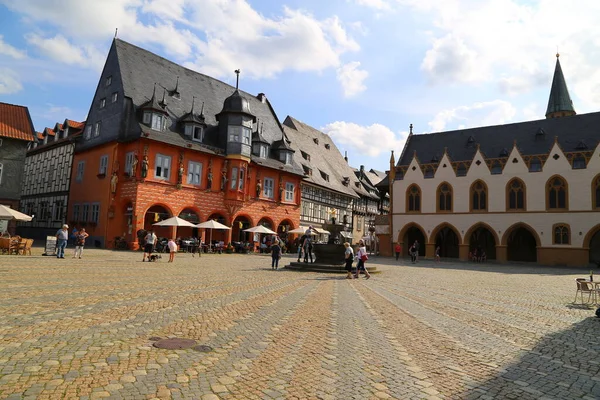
x,y
262,97
346,156
362,171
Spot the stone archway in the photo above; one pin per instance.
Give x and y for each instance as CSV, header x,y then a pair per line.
x,y
283,228
157,213
218,235
592,242
409,234
521,241
448,241
482,236
190,215
240,223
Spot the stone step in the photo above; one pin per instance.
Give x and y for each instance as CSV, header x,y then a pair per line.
x,y
316,267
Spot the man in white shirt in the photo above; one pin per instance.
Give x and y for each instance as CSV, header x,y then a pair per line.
x,y
61,241
149,246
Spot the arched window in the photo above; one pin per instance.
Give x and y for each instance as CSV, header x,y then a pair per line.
x,y
444,194
562,234
515,195
413,199
556,194
478,196
596,192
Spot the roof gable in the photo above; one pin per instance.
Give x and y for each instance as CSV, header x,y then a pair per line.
x,y
15,122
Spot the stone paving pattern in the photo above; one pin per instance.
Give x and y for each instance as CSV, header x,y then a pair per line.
x,y
82,329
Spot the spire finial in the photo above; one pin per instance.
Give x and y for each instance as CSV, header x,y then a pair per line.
x,y
202,110
410,129
163,102
154,91
345,155
116,31
237,78
193,102
262,125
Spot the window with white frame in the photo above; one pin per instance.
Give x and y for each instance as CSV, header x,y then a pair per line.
x,y
76,208
268,188
97,129
147,118
94,217
103,165
80,170
85,212
246,132
287,158
102,102
129,157
234,133
114,97
163,166
158,122
194,173
234,172
88,132
289,191
198,134
264,151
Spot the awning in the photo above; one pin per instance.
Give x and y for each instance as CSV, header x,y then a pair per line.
x,y
323,231
347,235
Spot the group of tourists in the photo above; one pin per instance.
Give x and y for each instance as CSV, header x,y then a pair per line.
x,y
361,257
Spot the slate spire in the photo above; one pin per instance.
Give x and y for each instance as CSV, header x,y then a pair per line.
x,y
559,103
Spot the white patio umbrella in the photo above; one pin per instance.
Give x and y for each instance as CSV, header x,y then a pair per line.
x,y
175,221
302,229
260,229
8,213
211,224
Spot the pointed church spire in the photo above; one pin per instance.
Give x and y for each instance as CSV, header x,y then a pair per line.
x,y
559,103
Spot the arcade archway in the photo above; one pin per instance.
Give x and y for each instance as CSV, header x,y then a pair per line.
x,y
240,223
283,228
447,240
413,233
154,214
218,235
480,237
594,246
190,215
521,243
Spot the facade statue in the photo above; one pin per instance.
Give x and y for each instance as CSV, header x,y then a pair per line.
x,y
134,164
258,188
145,166
209,179
113,182
281,191
180,172
223,180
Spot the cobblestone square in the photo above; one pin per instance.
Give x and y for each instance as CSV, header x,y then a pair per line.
x,y
84,329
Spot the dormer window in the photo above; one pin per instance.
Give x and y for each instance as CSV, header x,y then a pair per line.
x,y
324,176
285,157
194,132
316,140
306,156
155,121
239,134
307,170
327,146
263,151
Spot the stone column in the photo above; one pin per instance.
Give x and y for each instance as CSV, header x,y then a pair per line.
x,y
430,250
501,253
463,252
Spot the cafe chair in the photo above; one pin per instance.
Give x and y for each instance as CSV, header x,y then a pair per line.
x,y
27,248
585,287
4,245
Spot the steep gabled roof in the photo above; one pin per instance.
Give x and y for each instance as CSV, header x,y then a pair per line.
x,y
15,122
324,157
494,139
560,100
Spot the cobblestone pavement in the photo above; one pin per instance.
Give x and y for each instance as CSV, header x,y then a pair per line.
x,y
84,329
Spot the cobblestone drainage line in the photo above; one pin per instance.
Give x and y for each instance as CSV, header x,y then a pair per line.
x,y
174,343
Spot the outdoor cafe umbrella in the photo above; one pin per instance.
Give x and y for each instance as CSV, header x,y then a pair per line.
x,y
260,229
175,221
211,224
8,213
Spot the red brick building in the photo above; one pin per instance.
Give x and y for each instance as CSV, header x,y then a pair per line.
x,y
162,140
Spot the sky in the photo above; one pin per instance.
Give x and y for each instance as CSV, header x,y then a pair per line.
x,y
361,71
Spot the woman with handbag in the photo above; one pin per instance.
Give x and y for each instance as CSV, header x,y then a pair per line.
x,y
362,257
349,257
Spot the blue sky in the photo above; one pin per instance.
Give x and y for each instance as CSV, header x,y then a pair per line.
x,y
359,70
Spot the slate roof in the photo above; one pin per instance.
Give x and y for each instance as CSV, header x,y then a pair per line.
x,y
375,176
330,161
559,99
532,137
141,69
15,122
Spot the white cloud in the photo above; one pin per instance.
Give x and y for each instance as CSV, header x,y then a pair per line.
x,y
9,50
352,78
479,114
9,81
60,49
214,37
369,140
376,4
450,60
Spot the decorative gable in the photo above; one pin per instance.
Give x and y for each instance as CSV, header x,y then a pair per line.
x,y
557,162
414,171
445,171
479,168
515,165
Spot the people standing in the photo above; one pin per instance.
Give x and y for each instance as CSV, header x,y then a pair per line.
x,y
361,256
80,237
413,253
416,251
62,235
307,247
172,249
300,246
275,254
437,254
398,250
349,257
149,246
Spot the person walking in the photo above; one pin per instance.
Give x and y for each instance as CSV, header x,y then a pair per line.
x,y
149,246
275,254
361,256
300,246
172,249
349,257
80,237
437,254
413,253
398,250
62,236
416,250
